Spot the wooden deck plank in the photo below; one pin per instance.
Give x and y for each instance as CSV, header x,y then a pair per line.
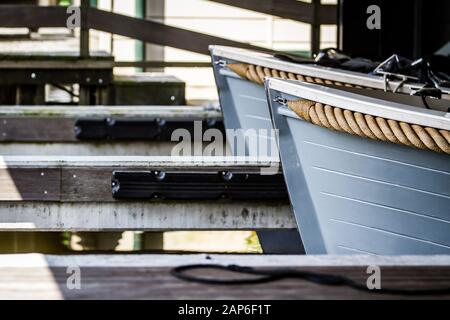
x,y
34,260
48,279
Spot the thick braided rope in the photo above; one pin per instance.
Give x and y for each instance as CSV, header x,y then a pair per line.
x,y
257,74
371,127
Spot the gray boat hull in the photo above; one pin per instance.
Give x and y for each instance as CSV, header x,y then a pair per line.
x,y
244,106
352,195
244,103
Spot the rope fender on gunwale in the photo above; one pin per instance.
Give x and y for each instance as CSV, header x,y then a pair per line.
x,y
355,123
375,128
257,74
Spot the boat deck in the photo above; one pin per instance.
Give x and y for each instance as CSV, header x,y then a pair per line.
x,y
148,276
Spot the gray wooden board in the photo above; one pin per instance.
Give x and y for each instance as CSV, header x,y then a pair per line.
x,y
65,184
252,260
74,194
87,179
131,276
84,185
158,283
201,163
88,148
30,184
37,129
143,216
57,123
55,60
169,112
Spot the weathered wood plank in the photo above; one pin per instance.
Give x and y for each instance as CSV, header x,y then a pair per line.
x,y
251,260
54,62
57,123
144,216
88,179
80,185
151,283
37,129
148,283
100,112
254,164
74,193
81,148
99,78
30,184
148,276
17,16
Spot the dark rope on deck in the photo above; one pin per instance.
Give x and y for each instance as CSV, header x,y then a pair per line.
x,y
265,276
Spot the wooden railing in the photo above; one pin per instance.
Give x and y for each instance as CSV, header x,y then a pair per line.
x,y
15,16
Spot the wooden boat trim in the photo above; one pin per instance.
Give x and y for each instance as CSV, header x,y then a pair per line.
x,y
315,71
362,104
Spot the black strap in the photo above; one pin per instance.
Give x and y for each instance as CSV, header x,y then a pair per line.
x,y
265,276
428,92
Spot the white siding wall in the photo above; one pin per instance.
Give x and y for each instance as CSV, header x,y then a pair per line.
x,y
219,20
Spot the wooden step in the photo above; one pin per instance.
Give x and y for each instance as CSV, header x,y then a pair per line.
x,y
57,123
75,194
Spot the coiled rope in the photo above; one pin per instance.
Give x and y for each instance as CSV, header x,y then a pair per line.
x,y
257,74
375,128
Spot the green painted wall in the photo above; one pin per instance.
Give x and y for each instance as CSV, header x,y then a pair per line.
x,y
140,46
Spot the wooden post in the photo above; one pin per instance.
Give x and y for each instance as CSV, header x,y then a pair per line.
x,y
139,45
8,94
85,92
152,241
84,31
29,94
155,10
